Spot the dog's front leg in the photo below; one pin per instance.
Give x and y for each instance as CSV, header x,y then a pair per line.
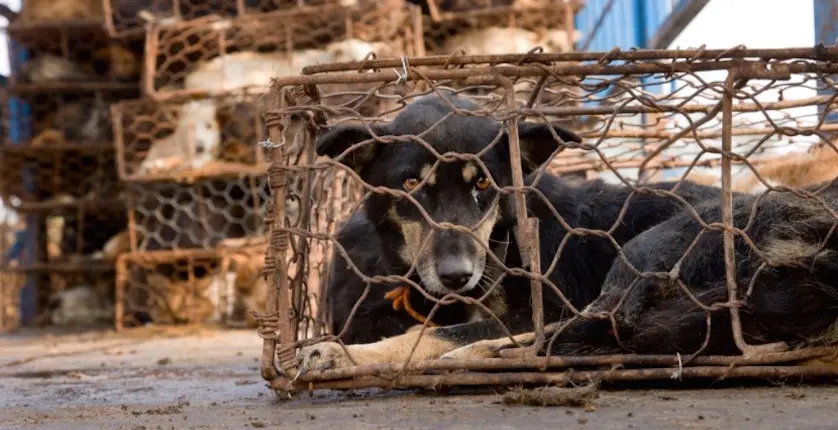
x,y
487,348
491,347
433,344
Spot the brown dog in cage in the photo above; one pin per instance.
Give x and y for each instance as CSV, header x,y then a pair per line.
x,y
389,234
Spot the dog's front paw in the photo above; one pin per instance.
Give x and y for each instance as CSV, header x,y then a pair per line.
x,y
480,349
322,356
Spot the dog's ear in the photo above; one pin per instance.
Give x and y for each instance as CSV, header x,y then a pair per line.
x,y
342,137
538,143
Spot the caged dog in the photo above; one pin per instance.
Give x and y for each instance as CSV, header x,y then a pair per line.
x,y
787,282
387,234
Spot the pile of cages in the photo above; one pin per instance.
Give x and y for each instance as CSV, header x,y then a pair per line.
x,y
57,155
699,132
210,57
180,233
192,153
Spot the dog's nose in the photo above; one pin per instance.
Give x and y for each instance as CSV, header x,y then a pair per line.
x,y
454,272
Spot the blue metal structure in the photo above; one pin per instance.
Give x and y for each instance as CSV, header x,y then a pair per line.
x,y
624,23
826,31
25,248
643,24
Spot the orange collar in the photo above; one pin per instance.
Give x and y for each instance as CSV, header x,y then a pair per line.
x,y
401,301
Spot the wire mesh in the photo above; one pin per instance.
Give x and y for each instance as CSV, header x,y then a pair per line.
x,y
219,286
82,235
127,18
73,58
174,215
166,140
62,147
217,56
54,176
639,275
518,27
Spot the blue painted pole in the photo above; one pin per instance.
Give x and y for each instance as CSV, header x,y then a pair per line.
x,y
19,133
826,31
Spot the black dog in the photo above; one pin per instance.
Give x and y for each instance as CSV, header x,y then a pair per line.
x,y
793,300
389,234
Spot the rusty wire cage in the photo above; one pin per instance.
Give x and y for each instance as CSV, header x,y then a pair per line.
x,y
74,57
167,140
128,18
72,263
87,295
494,29
217,56
198,286
199,215
65,145
644,116
81,235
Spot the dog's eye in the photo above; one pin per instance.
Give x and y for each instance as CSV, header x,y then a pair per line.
x,y
483,184
410,184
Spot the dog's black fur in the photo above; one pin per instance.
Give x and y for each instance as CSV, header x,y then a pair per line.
x,y
374,239
794,300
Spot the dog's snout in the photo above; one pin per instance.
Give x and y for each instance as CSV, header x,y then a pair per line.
x,y
454,272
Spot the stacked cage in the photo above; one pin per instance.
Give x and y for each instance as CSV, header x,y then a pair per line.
x,y
58,163
192,151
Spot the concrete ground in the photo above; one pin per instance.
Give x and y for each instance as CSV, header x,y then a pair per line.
x,y
190,378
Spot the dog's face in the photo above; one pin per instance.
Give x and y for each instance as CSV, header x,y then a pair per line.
x,y
458,191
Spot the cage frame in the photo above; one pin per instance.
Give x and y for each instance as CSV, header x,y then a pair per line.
x,y
410,38
68,31
278,366
569,10
218,254
123,148
241,9
251,177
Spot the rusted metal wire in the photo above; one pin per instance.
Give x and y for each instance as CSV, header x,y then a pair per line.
x,y
186,140
72,57
195,286
67,146
727,114
175,215
564,378
448,29
127,18
182,57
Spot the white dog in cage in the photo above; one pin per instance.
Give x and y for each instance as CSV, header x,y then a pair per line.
x,y
249,69
195,142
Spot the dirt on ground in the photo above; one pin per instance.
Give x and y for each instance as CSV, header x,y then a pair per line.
x,y
199,378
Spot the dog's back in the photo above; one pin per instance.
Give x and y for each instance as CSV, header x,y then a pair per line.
x,y
792,299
